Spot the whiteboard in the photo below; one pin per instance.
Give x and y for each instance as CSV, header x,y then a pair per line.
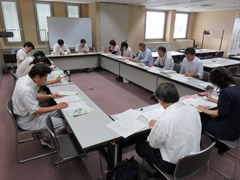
x,y
71,30
234,47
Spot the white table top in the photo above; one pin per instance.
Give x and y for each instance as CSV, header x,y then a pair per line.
x,y
89,129
199,51
216,62
73,54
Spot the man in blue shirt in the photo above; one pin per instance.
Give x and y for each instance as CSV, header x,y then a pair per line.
x,y
192,66
145,55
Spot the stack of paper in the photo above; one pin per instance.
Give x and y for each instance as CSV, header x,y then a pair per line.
x,y
169,72
127,124
78,108
153,114
180,77
195,102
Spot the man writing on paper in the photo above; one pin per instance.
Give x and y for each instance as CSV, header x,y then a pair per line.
x,y
145,55
24,52
164,60
192,66
60,48
29,114
82,47
176,133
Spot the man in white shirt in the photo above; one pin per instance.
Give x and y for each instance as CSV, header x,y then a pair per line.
x,y
29,114
25,64
176,133
192,66
164,60
82,47
59,48
24,52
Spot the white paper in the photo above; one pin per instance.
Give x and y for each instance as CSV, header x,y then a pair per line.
x,y
126,128
153,114
180,77
56,73
77,105
68,99
68,93
199,101
129,115
154,69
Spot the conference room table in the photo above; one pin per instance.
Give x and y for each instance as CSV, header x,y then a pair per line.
x,y
209,64
235,57
205,52
90,129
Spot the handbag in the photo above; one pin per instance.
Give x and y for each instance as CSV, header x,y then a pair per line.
x,y
127,169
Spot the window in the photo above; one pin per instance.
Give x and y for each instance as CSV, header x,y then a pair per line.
x,y
11,20
43,10
155,25
73,11
181,25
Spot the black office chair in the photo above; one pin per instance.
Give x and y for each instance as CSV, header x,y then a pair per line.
x,y
232,145
188,166
220,54
237,81
19,132
177,67
66,145
206,76
233,69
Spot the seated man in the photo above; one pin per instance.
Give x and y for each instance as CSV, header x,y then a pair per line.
x,y
29,115
24,52
82,47
59,48
145,55
164,60
177,132
192,66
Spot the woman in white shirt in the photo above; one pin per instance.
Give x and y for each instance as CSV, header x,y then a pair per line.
x,y
127,51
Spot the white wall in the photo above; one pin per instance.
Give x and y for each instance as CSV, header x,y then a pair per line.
x,y
114,23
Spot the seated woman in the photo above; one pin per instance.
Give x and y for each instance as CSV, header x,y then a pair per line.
x,y
114,48
223,123
127,51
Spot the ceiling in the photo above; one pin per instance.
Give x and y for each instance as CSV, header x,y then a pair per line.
x,y
179,5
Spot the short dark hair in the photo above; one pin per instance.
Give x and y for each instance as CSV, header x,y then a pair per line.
x,y
221,77
163,49
43,59
142,45
83,41
112,42
29,44
39,69
124,44
60,42
190,50
38,54
167,92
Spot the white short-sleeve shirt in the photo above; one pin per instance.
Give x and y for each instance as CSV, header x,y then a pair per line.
x,y
21,54
81,49
177,132
128,53
23,66
58,49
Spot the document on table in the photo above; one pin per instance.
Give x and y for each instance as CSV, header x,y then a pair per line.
x,y
154,69
68,99
168,72
53,73
132,63
126,123
181,77
78,108
68,93
153,114
195,102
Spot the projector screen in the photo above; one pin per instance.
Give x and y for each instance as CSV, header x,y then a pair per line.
x,y
71,30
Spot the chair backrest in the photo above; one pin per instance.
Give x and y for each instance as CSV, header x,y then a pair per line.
x,y
13,72
220,54
237,81
233,69
189,165
50,128
177,67
206,76
9,106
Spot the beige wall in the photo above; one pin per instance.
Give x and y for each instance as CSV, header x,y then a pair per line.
x,y
84,9
222,20
59,9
